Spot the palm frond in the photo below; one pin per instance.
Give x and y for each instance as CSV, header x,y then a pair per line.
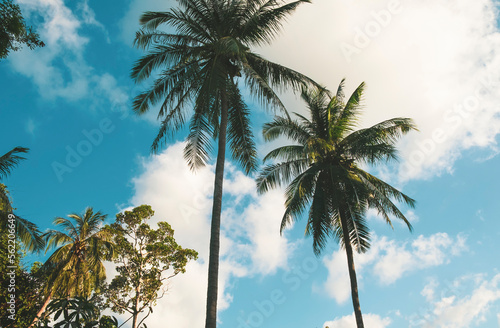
x,y
280,174
10,160
319,223
29,235
377,143
198,145
298,195
263,23
240,135
285,127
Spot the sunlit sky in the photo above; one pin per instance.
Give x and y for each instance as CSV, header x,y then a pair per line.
x,y
436,61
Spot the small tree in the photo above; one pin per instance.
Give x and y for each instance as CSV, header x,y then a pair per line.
x,y
146,259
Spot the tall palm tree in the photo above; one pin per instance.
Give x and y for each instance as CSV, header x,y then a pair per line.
x,y
322,172
26,231
76,266
202,60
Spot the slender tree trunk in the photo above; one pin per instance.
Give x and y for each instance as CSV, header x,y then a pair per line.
x,y
213,263
352,273
136,306
42,309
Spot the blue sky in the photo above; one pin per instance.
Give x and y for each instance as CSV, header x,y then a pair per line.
x,y
435,61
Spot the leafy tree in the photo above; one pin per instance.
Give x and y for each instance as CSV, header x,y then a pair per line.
x,y
28,291
76,266
201,65
323,173
13,30
146,258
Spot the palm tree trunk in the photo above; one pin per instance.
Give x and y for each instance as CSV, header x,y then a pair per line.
x,y
213,262
42,309
352,273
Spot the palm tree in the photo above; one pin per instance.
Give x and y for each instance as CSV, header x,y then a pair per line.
x,y
202,65
76,266
323,172
26,231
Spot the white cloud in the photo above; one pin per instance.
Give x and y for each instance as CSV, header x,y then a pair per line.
x,y
456,308
389,260
429,290
369,320
250,240
59,70
441,72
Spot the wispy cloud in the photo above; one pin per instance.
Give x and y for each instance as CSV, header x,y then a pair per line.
x,y
465,302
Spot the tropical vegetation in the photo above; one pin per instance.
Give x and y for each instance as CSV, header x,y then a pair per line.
x,y
200,58
324,174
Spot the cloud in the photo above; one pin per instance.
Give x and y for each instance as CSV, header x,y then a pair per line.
x,y
456,308
30,126
441,73
389,260
369,320
59,70
250,240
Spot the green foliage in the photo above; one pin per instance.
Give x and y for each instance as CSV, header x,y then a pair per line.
x,y
16,237
9,160
322,171
78,312
145,259
76,267
26,231
28,292
13,30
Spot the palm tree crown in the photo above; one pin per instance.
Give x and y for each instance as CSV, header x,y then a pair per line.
x,y
82,247
76,267
322,172
200,65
